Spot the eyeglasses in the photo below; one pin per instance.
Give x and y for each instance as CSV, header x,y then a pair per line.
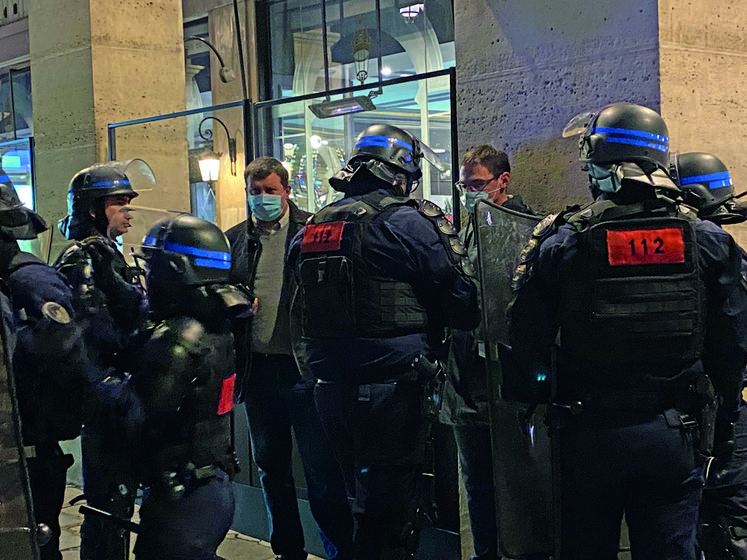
x,y
474,185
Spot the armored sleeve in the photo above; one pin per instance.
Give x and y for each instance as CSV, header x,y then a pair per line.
x,y
409,245
534,315
726,322
43,308
50,362
112,307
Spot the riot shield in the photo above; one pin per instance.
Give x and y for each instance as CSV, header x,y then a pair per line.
x,y
18,530
520,439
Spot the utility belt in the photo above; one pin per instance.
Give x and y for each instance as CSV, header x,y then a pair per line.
x,y
691,405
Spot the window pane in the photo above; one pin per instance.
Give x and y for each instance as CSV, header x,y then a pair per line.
x,y
24,121
313,149
6,109
415,38
16,164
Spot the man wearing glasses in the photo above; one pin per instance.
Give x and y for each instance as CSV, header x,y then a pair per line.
x,y
485,173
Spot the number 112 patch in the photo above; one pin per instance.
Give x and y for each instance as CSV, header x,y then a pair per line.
x,y
645,246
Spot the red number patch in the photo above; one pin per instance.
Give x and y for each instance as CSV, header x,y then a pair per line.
x,y
322,237
225,404
645,246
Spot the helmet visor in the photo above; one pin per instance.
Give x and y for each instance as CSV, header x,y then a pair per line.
x,y
431,157
578,124
138,171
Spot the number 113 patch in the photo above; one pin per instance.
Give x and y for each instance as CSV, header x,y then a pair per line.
x,y
645,246
322,237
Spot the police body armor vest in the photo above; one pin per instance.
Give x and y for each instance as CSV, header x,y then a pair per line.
x,y
189,394
345,297
637,296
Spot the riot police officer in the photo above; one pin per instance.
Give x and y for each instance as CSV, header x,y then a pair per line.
x,y
183,382
108,296
379,277
648,308
47,362
722,532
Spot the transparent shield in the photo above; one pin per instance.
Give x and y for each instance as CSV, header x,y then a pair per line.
x,y
18,530
522,453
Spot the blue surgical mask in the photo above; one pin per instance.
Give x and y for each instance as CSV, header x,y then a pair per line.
x,y
469,199
266,207
604,177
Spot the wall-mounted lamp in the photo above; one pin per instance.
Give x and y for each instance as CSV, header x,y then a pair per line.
x,y
209,161
225,73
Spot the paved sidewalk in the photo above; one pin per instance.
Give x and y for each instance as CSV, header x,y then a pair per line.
x,y
235,547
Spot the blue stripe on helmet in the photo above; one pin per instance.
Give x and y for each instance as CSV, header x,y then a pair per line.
x,y
104,184
203,257
634,142
381,142
719,184
4,179
631,132
715,180
210,263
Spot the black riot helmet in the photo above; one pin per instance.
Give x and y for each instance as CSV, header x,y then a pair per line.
x,y
706,185
622,132
185,251
392,146
90,186
17,221
623,141
390,154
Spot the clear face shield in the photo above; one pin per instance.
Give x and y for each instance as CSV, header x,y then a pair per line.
x,y
432,158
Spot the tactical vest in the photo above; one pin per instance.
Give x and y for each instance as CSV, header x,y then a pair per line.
x,y
344,296
635,295
192,393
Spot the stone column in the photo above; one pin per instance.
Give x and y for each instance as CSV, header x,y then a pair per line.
x,y
95,62
229,189
703,59
525,67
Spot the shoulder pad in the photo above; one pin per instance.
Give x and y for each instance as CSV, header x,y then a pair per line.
x,y
687,212
429,208
542,230
448,233
55,313
68,252
546,226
